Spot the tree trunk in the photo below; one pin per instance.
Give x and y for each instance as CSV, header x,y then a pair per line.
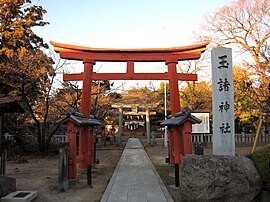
x,y
257,133
49,138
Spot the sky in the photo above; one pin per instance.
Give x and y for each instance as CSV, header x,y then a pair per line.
x,y
124,23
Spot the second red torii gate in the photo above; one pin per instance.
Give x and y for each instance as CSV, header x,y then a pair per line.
x,y
170,56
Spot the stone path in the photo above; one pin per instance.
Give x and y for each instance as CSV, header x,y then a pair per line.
x,y
135,178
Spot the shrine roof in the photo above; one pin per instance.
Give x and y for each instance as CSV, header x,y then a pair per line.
x,y
78,118
185,49
180,118
9,105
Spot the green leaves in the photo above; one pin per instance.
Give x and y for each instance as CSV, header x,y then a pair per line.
x,y
261,159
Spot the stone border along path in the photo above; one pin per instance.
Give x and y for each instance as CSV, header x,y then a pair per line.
x,y
135,179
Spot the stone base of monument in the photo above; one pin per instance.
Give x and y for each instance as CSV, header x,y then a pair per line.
x,y
20,196
219,178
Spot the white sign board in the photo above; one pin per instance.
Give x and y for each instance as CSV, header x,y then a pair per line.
x,y
204,126
223,102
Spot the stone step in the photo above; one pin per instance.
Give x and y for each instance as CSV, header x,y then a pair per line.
x,y
20,196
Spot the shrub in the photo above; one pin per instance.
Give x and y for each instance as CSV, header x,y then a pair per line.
x,y
261,159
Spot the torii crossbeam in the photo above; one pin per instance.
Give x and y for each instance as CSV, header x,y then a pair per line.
x,y
170,56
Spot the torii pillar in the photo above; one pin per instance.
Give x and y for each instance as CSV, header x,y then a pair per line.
x,y
85,139
174,137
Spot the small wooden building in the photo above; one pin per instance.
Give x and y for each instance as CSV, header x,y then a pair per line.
x,y
7,105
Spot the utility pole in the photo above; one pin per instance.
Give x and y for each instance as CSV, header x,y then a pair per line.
x,y
165,109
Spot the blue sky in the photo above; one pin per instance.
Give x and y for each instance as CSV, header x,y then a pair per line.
x,y
124,24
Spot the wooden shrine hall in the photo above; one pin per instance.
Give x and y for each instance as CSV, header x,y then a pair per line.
x,y
89,56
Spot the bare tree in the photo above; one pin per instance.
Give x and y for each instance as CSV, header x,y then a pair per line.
x,y
245,24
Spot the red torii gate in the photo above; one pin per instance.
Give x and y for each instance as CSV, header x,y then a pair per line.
x,y
170,56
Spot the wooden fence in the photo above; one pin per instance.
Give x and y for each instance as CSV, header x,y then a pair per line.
x,y
56,139
240,139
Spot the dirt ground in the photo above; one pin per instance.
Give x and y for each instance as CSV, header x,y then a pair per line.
x,y
41,174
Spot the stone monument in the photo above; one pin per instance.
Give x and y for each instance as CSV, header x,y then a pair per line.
x,y
223,102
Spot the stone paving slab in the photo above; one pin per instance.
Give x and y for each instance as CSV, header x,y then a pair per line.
x,y
135,178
